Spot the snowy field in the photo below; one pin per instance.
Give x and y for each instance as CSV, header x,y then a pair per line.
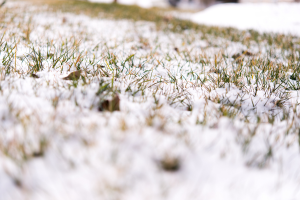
x,y
98,108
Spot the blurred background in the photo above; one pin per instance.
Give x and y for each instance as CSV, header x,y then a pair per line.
x,y
205,3
195,4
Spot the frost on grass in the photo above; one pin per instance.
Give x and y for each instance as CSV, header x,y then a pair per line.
x,y
118,109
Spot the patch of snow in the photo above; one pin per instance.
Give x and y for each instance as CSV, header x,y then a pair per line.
x,y
141,3
264,17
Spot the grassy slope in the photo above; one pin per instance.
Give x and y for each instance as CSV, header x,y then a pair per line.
x,y
118,11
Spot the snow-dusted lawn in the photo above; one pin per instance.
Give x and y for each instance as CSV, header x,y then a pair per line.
x,y
203,114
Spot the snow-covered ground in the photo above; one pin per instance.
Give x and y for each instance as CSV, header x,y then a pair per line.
x,y
225,141
142,3
264,17
184,5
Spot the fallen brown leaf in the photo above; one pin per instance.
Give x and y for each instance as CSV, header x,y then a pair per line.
x,y
170,163
34,76
102,66
110,105
235,56
247,53
73,76
244,53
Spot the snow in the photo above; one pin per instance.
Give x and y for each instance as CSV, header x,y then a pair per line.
x,y
263,17
93,155
141,3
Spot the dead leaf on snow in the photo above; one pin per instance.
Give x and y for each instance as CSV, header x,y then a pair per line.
x,y
170,163
110,105
247,53
73,76
34,76
100,66
240,55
